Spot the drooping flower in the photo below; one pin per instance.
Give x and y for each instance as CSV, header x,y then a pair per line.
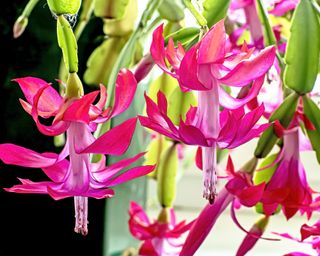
x,y
204,68
288,186
240,187
160,237
309,235
76,177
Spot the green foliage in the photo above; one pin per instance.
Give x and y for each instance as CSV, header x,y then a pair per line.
x,y
68,44
302,55
171,10
215,10
64,6
166,176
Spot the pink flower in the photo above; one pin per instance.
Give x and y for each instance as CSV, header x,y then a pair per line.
x,y
306,232
205,68
282,6
159,238
288,186
239,186
76,177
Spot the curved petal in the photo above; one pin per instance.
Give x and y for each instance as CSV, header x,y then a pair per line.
x,y
189,69
212,46
53,130
16,155
50,99
114,142
78,111
30,187
229,102
104,174
158,51
205,222
250,69
126,86
133,173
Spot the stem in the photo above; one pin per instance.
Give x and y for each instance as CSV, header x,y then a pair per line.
x,y
87,9
29,8
68,44
196,14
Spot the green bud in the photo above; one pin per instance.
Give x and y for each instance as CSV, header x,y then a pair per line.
x,y
60,7
111,9
123,26
20,26
74,88
286,110
184,35
154,151
171,10
102,60
302,54
179,103
166,176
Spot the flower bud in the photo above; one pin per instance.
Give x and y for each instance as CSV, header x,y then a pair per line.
x,y
60,7
19,26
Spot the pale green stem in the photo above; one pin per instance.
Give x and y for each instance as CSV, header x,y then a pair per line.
x,y
196,14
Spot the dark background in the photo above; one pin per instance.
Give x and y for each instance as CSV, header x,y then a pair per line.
x,y
36,224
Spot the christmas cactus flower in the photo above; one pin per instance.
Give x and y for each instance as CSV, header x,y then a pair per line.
x,y
288,185
160,237
240,187
76,176
205,67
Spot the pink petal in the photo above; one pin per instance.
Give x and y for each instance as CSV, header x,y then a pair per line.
x,y
30,187
229,102
205,222
157,50
114,142
126,86
58,171
78,111
50,99
212,46
104,174
192,135
250,69
199,158
52,130
16,155
133,173
189,69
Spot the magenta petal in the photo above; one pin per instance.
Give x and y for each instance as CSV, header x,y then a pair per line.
x,y
249,241
58,171
99,193
252,195
29,187
16,155
126,86
250,69
133,173
78,111
212,46
229,102
157,50
50,99
114,142
105,174
52,130
192,135
188,71
204,223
